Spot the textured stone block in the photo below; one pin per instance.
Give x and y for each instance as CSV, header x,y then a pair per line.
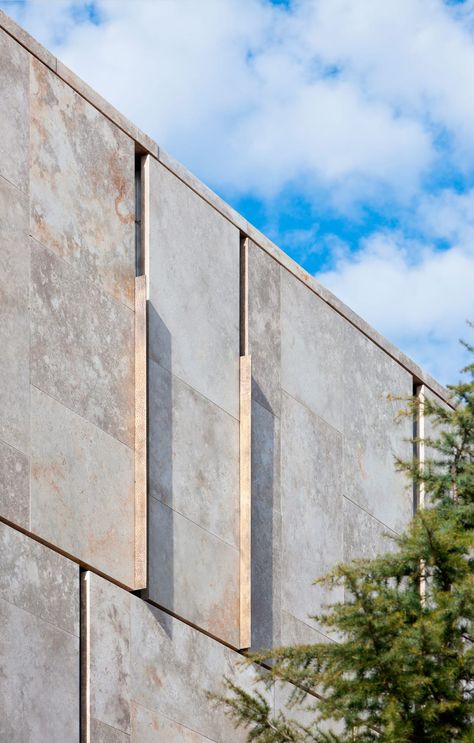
x,y
264,327
39,642
172,668
82,489
82,186
372,436
14,88
193,573
82,345
14,323
194,290
312,515
14,486
312,342
194,455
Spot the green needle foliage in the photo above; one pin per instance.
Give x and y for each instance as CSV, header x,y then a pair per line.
x,y
402,668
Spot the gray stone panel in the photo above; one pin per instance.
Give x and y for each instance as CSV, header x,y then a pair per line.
x,y
264,327
172,668
312,513
14,323
372,436
82,489
39,642
364,535
102,733
14,486
82,185
14,86
194,290
193,573
82,345
193,455
312,342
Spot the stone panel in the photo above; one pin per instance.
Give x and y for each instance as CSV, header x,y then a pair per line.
x,y
312,513
102,733
14,85
14,486
14,323
82,489
194,290
312,342
172,668
364,535
194,455
264,327
193,573
372,436
82,345
39,642
82,185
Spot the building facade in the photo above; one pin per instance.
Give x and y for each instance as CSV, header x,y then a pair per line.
x,y
192,429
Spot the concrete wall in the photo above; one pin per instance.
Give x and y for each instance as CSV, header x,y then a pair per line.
x,y
322,439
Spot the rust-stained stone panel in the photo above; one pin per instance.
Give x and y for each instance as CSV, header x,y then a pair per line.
x,y
82,185
82,489
14,86
82,345
14,323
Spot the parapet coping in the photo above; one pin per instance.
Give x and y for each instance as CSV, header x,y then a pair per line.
x,y
146,144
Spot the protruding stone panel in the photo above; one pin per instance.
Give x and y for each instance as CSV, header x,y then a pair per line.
x,y
82,345
82,185
193,572
312,513
194,290
172,667
312,347
82,489
372,435
39,642
14,89
14,322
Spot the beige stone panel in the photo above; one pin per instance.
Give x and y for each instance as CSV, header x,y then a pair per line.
x,y
14,104
194,290
102,733
14,486
372,435
193,573
82,489
82,345
82,185
312,344
151,727
14,324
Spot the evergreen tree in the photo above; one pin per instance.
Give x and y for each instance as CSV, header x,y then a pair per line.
x,y
402,670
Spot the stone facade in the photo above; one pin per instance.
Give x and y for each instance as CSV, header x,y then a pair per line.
x,y
94,648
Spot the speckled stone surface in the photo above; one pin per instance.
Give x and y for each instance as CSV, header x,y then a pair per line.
x,y
14,119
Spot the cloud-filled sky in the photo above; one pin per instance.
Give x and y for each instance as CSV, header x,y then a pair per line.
x,y
343,129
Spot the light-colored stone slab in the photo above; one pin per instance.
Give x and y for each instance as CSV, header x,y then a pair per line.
x,y
14,330
39,642
264,327
194,290
102,733
14,93
193,573
14,486
364,535
194,455
372,436
296,632
312,515
312,340
82,345
151,727
82,186
82,489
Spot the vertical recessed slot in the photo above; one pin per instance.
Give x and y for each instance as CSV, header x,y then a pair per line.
x,y
245,454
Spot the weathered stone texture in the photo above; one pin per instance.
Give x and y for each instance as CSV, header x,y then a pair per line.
x,y
82,489
39,643
14,486
159,668
82,185
14,120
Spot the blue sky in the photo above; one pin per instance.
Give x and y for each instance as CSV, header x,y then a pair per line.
x,y
342,129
